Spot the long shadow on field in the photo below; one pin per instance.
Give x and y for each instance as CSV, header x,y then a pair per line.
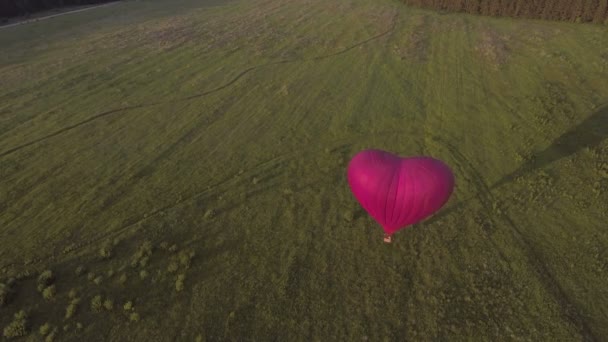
x,y
589,133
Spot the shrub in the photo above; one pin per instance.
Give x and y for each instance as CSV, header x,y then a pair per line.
x,y
143,262
172,267
185,258
128,306
98,280
71,310
110,273
146,246
46,278
18,327
106,251
179,283
173,249
91,276
45,329
143,274
49,292
51,337
123,278
108,304
164,245
72,294
143,252
134,317
96,303
79,326
210,214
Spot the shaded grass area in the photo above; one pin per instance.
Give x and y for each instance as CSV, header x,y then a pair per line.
x,y
225,129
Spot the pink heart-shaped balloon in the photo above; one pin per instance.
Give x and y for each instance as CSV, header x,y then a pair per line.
x,y
398,192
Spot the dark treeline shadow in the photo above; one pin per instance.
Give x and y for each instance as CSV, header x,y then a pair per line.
x,y
566,10
18,8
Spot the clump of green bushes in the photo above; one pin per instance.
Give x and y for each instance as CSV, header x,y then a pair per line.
x,y
45,279
183,259
18,327
98,304
142,255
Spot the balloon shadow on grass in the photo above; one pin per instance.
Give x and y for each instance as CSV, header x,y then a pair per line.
x,y
588,134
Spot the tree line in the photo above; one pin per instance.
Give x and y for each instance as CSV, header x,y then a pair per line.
x,y
565,10
16,8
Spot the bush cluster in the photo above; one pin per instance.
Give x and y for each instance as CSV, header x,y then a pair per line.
x,y
18,327
141,257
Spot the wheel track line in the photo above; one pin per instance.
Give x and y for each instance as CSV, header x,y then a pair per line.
x,y
188,98
209,189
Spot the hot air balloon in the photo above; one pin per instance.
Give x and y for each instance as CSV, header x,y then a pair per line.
x,y
398,192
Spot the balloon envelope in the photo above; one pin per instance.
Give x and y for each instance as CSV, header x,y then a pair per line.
x,y
398,192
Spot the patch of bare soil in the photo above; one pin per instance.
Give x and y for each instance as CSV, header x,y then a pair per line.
x,y
492,48
416,44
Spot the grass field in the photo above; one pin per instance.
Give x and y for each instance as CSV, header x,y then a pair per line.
x,y
190,157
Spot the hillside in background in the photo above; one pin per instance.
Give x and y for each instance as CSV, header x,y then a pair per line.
x,y
565,10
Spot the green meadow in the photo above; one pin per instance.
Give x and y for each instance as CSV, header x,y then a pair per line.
x,y
176,171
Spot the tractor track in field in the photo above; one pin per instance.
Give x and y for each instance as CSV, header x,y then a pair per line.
x,y
568,309
191,97
207,191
